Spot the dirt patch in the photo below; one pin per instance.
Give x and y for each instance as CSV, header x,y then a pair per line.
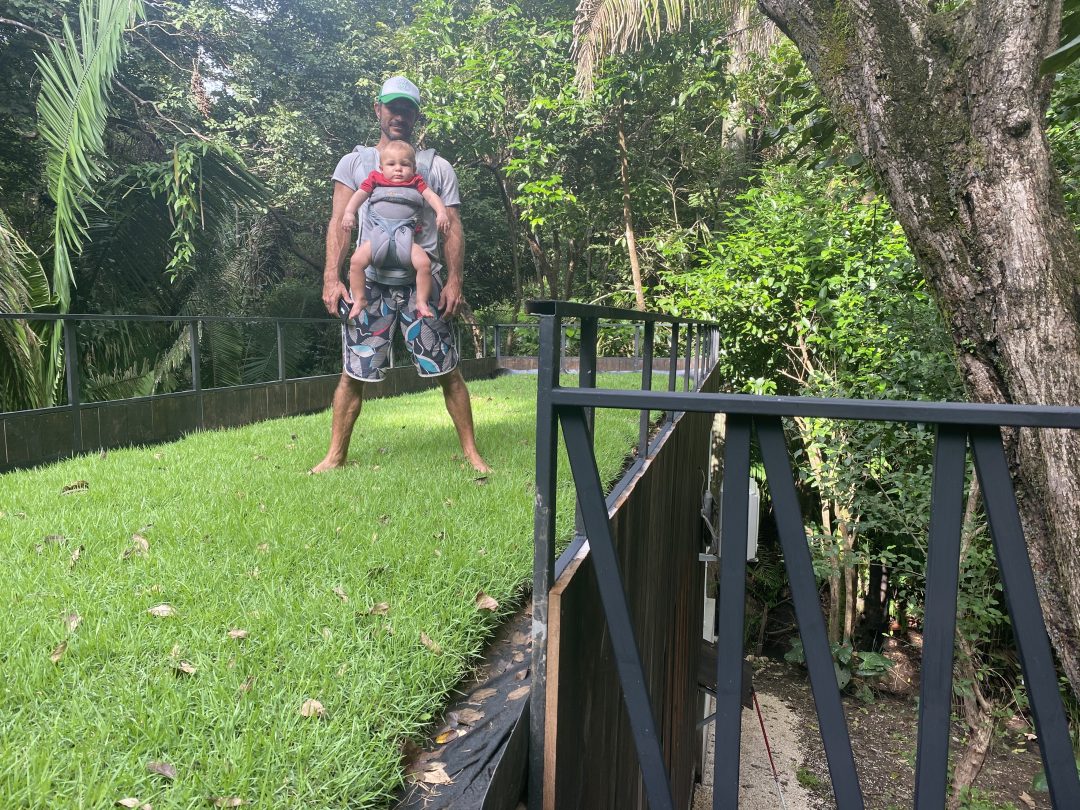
x,y
883,738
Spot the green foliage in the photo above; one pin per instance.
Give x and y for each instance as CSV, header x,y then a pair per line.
x,y
847,662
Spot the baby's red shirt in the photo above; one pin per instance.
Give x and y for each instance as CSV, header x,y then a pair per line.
x,y
377,178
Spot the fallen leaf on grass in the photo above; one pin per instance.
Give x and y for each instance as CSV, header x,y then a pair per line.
x,y
263,548
162,611
485,602
75,486
447,736
72,622
340,593
185,668
226,801
482,695
139,547
162,769
425,639
134,803
247,684
521,675
519,693
380,609
58,652
312,708
59,539
238,634
480,480
327,633
384,519
75,555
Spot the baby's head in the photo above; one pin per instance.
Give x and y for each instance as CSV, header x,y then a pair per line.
x,y
398,161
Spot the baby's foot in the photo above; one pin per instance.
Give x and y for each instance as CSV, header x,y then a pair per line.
x,y
424,310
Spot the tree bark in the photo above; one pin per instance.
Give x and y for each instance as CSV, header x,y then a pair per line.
x,y
947,107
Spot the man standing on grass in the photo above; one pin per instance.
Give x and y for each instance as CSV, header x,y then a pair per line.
x,y
391,296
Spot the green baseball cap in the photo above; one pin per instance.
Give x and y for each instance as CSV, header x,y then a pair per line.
x,y
399,87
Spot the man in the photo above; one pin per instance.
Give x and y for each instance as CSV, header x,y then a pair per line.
x,y
366,339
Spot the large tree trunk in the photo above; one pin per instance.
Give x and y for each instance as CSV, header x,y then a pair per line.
x,y
948,109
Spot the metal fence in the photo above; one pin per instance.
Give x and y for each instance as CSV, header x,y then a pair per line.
x,y
959,427
33,436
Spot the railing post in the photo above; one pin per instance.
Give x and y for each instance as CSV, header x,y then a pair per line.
x,y
689,356
196,372
71,372
279,328
637,340
498,348
646,385
590,329
543,547
673,363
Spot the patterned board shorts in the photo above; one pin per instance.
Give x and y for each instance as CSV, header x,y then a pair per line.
x,y
366,340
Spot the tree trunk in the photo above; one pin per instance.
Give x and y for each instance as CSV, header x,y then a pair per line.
x,y
511,232
628,216
947,108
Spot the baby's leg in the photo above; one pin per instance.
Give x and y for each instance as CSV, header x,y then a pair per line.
x,y
359,262
421,263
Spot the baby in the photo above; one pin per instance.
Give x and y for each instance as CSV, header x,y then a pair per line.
x,y
397,196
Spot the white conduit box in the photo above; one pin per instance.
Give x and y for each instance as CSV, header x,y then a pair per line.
x,y
753,519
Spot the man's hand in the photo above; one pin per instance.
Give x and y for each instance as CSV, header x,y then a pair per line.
x,y
332,292
451,299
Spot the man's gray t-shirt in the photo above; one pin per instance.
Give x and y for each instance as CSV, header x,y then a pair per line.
x,y
441,179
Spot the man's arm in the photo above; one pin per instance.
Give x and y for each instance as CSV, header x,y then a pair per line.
x,y
454,255
337,240
348,219
442,219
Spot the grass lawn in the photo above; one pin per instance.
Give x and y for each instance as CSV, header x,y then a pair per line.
x,y
356,589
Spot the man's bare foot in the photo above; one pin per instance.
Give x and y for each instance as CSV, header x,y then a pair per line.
x,y
325,465
477,462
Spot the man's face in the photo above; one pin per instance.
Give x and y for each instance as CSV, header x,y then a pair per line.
x,y
397,119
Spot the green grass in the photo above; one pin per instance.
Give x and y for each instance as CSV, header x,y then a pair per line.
x,y
241,538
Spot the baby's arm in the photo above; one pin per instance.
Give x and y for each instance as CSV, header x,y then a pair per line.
x,y
442,220
348,219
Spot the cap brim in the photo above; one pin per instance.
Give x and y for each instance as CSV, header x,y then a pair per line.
x,y
388,97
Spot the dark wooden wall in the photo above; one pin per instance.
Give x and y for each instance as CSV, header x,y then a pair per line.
x,y
590,758
29,438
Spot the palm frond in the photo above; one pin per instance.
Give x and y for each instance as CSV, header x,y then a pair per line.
x,y
606,27
24,287
72,109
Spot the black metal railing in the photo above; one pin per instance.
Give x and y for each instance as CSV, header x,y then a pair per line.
x,y
959,427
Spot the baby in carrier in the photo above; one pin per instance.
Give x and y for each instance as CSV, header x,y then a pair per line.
x,y
397,195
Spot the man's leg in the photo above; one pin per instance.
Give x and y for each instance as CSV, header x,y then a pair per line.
x,y
459,406
348,397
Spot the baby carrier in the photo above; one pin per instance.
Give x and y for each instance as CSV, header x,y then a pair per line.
x,y
392,214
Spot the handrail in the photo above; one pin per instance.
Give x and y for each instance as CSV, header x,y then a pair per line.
x,y
573,309
960,428
83,316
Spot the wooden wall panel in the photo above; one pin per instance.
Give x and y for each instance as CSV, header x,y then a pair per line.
x,y
590,758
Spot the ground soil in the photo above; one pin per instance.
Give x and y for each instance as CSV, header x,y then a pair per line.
x,y
883,736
